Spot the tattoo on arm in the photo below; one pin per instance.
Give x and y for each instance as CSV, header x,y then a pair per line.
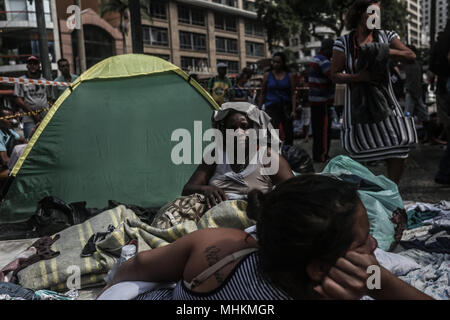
x,y
212,258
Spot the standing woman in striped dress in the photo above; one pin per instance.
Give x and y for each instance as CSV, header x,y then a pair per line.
x,y
390,138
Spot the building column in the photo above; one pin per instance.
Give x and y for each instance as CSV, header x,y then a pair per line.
x,y
211,45
174,33
241,43
56,39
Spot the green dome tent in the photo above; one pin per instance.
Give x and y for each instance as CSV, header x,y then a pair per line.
x,y
108,137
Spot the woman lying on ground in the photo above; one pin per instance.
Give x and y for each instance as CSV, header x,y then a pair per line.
x,y
231,180
308,248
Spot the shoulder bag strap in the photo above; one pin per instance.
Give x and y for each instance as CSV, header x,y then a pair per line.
x,y
216,267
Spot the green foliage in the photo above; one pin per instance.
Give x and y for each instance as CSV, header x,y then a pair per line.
x,y
283,18
121,6
278,19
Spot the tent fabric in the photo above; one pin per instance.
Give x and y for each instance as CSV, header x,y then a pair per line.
x,y
109,137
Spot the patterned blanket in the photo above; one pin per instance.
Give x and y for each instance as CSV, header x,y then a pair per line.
x,y
54,274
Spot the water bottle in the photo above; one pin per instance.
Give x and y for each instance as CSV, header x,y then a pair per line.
x,y
128,252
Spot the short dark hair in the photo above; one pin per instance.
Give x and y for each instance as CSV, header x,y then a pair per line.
x,y
62,60
356,11
297,224
283,57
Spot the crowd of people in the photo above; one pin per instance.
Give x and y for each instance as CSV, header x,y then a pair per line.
x,y
399,87
33,100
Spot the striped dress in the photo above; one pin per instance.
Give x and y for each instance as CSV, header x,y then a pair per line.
x,y
245,282
389,138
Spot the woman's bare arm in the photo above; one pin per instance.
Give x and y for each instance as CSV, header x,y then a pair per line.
x,y
199,183
338,66
199,178
400,52
283,172
393,288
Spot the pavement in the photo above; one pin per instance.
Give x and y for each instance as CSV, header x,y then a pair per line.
x,y
417,183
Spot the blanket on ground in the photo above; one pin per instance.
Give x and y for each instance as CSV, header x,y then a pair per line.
x,y
60,273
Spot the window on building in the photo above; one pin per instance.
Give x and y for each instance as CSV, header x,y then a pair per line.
x,y
233,66
254,49
226,45
158,9
24,10
192,41
162,56
155,36
190,15
231,3
2,10
249,5
225,22
193,64
253,28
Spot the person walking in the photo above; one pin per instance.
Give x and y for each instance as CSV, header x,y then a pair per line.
x,y
279,96
380,132
321,97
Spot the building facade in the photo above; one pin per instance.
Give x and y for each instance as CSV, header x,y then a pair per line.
x,y
19,35
304,52
441,15
413,32
196,35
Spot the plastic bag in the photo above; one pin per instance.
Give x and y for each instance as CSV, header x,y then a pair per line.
x,y
298,159
380,205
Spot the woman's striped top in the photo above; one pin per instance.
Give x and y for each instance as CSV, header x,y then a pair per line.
x,y
245,282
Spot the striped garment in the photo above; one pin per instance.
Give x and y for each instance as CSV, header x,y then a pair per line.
x,y
321,88
389,138
245,282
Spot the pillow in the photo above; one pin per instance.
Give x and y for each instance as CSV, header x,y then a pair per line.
x,y
397,264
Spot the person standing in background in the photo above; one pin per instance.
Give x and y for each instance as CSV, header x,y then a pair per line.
x,y
321,97
278,96
66,76
32,97
219,87
440,66
414,91
240,92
